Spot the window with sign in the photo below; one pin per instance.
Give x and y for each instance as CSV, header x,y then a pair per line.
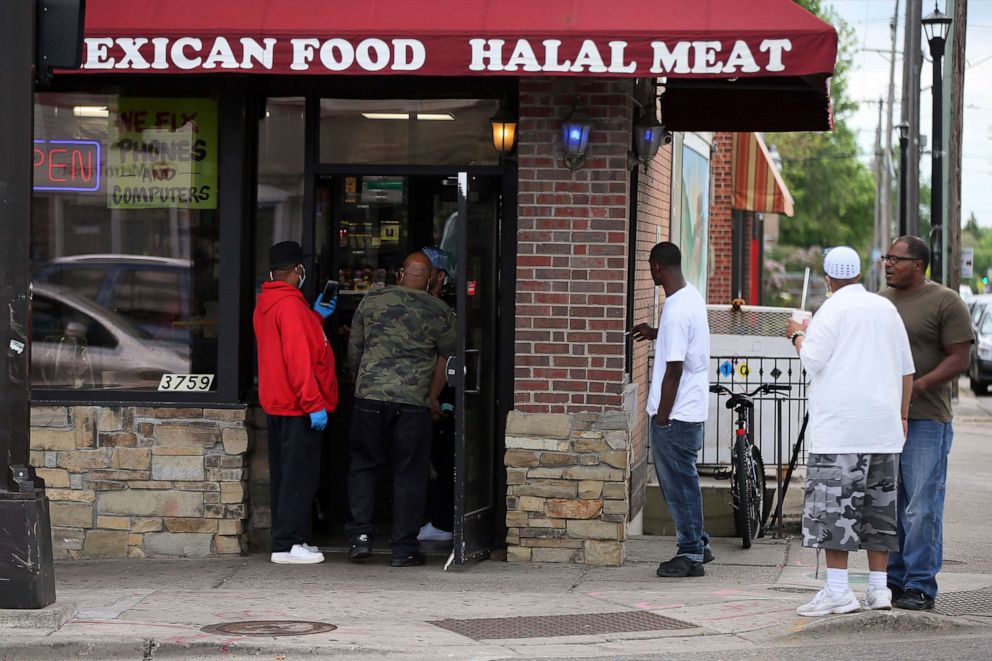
x,y
124,241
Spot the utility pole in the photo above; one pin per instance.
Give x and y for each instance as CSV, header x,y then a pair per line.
x,y
27,577
877,243
954,103
886,238
911,63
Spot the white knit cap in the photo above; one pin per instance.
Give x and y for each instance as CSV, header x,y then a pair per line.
x,y
842,263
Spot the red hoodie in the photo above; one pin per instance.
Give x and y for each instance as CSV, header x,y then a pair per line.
x,y
295,363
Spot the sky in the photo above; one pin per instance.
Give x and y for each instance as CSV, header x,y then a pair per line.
x,y
869,80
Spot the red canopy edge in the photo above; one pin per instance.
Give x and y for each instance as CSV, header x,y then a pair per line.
x,y
758,186
714,39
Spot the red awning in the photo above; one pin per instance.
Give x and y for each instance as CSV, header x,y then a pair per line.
x,y
763,45
758,186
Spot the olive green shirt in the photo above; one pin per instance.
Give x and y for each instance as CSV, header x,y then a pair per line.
x,y
397,335
935,317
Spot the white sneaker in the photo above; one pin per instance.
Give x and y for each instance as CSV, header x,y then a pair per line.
x,y
311,548
431,534
826,602
878,599
298,555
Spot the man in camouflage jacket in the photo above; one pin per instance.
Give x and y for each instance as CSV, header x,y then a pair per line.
x,y
398,335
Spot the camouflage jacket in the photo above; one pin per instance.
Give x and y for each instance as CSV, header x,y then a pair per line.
x,y
397,335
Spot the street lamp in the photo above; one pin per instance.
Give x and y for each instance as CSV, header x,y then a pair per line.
x,y
936,27
903,202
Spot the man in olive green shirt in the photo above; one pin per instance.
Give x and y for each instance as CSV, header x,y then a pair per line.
x,y
398,335
940,337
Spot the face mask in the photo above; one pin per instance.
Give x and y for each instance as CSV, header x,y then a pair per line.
x,y
303,278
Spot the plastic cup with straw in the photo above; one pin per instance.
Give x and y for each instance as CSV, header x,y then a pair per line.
x,y
802,315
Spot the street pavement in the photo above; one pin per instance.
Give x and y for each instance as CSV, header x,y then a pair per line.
x,y
744,608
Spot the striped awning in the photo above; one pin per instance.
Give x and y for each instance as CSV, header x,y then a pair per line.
x,y
758,186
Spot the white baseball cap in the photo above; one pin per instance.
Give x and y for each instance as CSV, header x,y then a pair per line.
x,y
842,263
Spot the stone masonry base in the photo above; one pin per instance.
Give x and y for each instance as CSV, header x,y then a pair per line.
x,y
142,481
567,487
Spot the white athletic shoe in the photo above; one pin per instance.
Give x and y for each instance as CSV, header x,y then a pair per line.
x,y
878,599
311,548
298,555
431,534
826,602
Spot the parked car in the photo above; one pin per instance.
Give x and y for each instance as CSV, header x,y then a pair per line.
x,y
78,344
966,294
977,307
153,292
980,371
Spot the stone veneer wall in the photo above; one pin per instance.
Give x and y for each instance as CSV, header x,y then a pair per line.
x,y
567,485
127,481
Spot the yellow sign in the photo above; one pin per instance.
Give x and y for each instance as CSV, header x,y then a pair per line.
x,y
162,154
743,370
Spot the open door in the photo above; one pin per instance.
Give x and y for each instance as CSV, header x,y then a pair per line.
x,y
473,370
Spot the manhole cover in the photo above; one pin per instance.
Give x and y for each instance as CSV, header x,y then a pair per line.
x,y
549,626
966,602
269,628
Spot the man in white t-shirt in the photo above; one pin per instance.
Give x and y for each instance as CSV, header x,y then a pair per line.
x,y
857,355
677,406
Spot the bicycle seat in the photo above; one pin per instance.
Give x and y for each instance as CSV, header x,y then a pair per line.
x,y
740,400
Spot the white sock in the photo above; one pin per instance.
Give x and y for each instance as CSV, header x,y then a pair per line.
x,y
877,579
837,580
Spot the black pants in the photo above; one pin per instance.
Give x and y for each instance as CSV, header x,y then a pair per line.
x,y
294,466
441,492
401,433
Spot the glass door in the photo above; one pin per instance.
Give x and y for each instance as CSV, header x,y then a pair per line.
x,y
473,372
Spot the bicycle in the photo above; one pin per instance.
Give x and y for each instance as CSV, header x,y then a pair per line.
x,y
747,471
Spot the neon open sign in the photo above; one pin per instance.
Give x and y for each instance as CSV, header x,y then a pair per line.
x,y
67,165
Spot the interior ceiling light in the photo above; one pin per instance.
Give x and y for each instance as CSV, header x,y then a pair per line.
x,y
386,115
436,116
90,111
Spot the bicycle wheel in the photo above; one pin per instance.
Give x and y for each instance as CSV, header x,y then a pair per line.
x,y
759,492
741,490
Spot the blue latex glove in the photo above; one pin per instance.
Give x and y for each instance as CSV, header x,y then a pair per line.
x,y
318,420
325,311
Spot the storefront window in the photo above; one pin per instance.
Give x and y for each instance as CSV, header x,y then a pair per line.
x,y
281,157
407,131
694,213
124,242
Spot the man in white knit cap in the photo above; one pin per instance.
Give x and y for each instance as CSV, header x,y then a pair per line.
x,y
857,355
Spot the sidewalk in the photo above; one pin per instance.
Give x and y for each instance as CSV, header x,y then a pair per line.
x,y
743,608
157,608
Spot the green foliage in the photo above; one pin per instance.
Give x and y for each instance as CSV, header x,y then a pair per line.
x,y
834,192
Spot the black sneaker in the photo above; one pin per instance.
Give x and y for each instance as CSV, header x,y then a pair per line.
x,y
680,567
361,547
708,556
415,559
896,590
913,600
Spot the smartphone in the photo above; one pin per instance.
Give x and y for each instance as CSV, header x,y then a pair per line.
x,y
330,291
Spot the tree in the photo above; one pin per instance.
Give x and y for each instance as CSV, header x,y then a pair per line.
x,y
834,192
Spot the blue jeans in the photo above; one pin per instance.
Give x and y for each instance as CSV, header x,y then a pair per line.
x,y
922,480
676,447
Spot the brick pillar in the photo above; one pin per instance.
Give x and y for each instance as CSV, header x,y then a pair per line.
x,y
721,219
571,249
568,441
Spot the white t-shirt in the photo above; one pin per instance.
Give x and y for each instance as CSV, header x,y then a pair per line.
x,y
683,336
856,352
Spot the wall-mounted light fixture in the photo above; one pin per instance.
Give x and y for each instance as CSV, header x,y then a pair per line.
x,y
504,130
575,139
649,133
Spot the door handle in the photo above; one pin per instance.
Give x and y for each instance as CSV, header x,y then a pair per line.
x,y
473,358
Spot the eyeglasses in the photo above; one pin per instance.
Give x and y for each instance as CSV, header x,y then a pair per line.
x,y
895,259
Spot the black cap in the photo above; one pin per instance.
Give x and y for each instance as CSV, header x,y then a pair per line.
x,y
285,254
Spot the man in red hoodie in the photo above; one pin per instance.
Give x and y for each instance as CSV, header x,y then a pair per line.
x,y
297,388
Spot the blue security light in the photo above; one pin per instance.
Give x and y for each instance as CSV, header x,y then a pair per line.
x,y
649,135
575,140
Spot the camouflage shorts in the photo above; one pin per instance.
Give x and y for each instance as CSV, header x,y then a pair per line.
x,y
851,502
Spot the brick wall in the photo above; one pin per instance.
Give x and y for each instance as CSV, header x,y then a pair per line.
x,y
721,223
571,250
654,205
